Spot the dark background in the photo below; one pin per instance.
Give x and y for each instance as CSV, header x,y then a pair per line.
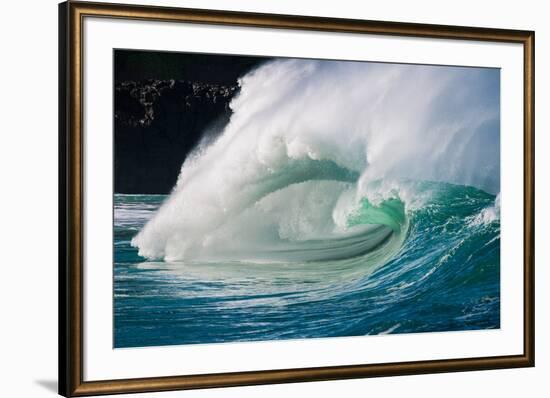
x,y
164,103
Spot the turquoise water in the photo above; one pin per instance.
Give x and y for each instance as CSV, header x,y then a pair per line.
x,y
432,266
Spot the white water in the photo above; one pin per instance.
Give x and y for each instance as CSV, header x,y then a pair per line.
x,y
305,140
488,215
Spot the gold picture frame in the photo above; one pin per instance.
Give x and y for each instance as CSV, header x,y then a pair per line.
x,y
71,239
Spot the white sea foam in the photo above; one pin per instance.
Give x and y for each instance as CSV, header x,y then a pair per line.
x,y
487,215
304,144
390,330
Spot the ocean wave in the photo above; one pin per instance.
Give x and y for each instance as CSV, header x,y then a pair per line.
x,y
311,215
295,164
434,272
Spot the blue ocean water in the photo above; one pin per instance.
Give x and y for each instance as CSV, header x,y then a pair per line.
x,y
434,266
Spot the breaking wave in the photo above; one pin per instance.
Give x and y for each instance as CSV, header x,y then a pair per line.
x,y
326,161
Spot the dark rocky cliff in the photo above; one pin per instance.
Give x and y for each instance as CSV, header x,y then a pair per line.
x,y
157,123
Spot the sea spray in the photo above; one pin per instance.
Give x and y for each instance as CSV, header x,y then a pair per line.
x,y
304,131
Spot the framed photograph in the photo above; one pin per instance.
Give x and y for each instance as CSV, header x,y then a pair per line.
x,y
254,199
